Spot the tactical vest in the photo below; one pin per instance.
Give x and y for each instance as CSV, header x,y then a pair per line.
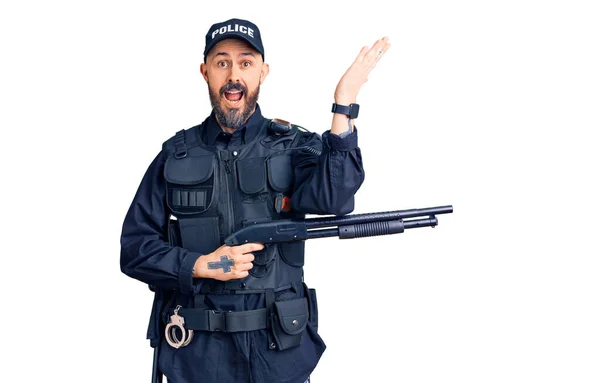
x,y
213,192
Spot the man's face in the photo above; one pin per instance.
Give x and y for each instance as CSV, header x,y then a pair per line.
x,y
234,72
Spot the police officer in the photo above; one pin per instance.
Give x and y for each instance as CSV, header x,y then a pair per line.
x,y
241,313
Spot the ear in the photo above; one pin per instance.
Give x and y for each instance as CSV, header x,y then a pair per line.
x,y
204,72
264,72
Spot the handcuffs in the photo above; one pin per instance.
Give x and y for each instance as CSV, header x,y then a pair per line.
x,y
176,323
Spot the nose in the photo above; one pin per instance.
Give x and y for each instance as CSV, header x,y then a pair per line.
x,y
234,74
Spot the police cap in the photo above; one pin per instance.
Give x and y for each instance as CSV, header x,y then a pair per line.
x,y
234,29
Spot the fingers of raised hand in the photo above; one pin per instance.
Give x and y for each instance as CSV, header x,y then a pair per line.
x,y
361,54
368,57
377,51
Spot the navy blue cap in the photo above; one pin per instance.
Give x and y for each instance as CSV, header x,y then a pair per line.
x,y
234,29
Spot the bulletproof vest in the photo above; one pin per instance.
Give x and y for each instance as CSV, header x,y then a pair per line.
x,y
213,192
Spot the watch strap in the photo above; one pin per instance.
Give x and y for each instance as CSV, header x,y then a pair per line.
x,y
349,110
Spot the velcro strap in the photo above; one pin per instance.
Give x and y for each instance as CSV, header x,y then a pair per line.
x,y
226,321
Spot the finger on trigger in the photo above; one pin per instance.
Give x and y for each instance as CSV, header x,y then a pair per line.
x,y
249,247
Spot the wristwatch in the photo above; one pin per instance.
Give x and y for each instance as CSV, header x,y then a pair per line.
x,y
351,110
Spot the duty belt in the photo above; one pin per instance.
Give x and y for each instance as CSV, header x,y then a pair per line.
x,y
179,330
186,321
226,321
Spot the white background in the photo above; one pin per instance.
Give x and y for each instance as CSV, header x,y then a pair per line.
x,y
491,107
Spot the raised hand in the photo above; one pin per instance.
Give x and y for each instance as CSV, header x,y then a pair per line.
x,y
358,73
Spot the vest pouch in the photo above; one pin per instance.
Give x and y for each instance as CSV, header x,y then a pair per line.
x,y
280,173
252,177
288,322
199,234
292,253
190,183
262,260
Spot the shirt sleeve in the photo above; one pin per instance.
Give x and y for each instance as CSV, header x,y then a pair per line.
x,y
146,254
326,183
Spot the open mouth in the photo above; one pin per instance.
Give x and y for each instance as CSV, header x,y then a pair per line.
x,y
233,96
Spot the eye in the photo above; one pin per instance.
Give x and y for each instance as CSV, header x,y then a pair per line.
x,y
222,64
246,64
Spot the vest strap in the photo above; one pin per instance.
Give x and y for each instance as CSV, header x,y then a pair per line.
x,y
269,301
179,142
225,321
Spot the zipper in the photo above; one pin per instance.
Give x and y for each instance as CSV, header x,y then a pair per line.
x,y
229,223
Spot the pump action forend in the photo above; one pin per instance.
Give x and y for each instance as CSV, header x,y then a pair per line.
x,y
344,227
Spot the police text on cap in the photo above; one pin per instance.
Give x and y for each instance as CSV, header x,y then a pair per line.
x,y
236,28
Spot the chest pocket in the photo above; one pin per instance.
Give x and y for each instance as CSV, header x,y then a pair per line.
x,y
190,183
280,173
253,174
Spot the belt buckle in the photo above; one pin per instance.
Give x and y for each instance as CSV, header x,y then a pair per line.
x,y
216,320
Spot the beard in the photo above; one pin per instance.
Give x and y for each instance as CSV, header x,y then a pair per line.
x,y
233,118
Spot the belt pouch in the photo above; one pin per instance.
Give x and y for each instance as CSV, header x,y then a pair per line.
x,y
313,308
289,322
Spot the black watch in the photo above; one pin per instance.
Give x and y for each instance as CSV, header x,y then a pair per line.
x,y
351,111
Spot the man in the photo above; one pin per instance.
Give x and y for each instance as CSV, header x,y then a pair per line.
x,y
241,313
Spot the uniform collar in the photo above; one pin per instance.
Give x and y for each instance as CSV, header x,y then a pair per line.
x,y
244,134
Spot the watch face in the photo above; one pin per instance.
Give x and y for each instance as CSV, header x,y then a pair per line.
x,y
354,110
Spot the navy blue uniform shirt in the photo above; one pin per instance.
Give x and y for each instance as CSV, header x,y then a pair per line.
x,y
323,184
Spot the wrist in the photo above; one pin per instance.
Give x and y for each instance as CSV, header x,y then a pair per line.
x,y
345,102
344,99
199,266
